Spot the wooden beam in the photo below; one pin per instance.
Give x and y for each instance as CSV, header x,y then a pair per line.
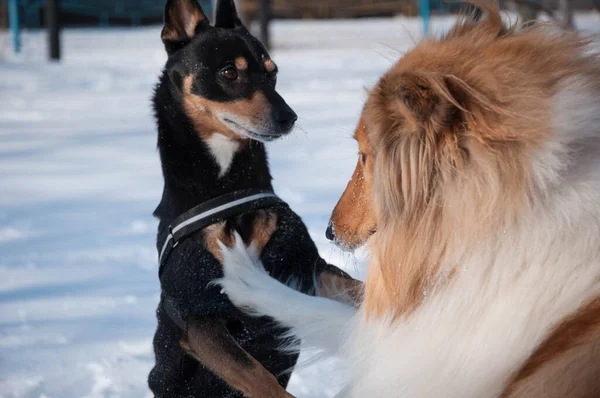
x,y
264,17
53,27
566,11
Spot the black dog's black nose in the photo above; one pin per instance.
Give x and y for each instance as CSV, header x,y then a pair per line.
x,y
329,231
285,118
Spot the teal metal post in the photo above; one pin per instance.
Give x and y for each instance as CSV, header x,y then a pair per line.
x,y
13,20
207,7
424,11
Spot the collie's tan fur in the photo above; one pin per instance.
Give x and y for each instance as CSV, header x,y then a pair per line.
x,y
352,219
567,363
479,201
450,137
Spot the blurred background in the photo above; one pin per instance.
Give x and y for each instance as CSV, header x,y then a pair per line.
x,y
80,176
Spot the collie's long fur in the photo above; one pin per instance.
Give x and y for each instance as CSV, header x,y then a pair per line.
x,y
484,279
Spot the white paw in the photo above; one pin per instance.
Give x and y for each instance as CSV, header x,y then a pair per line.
x,y
245,280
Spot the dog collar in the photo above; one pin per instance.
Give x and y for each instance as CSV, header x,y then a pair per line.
x,y
210,212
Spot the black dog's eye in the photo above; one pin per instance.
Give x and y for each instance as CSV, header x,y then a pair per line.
x,y
363,158
229,73
272,78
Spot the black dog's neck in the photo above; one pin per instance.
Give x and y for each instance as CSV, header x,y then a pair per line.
x,y
191,174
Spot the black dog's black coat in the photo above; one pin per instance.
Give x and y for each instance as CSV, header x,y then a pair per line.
x,y
186,276
192,176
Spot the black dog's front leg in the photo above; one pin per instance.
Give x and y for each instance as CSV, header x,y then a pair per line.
x,y
208,341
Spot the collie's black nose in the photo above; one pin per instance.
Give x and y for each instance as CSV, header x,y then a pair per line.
x,y
329,231
285,118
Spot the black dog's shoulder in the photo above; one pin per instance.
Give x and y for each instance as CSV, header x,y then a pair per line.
x,y
187,277
290,254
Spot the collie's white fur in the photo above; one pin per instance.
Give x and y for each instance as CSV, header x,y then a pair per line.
x,y
469,336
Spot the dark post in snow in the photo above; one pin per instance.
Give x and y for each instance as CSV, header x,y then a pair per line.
x,y
566,11
264,16
53,26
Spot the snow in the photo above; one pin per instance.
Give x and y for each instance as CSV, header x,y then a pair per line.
x,y
80,177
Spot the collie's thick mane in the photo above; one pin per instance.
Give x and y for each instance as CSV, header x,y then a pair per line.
x,y
480,149
455,126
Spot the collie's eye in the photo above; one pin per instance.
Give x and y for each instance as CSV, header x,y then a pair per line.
x,y
363,158
229,73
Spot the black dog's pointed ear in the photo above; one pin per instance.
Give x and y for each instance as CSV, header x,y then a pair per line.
x,y
227,16
183,20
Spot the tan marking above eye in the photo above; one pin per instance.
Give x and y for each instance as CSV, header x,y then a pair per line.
x,y
269,65
241,63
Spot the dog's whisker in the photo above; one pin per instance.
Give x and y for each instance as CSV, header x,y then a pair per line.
x,y
297,127
392,60
409,34
399,52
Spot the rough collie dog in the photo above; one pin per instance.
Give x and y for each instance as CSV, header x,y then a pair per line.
x,y
478,191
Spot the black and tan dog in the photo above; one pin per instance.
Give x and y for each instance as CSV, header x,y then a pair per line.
x,y
215,106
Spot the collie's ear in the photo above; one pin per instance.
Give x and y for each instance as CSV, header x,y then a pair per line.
x,y
183,20
436,102
432,99
227,16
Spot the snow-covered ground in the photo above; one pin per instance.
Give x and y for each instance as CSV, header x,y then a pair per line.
x,y
80,177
